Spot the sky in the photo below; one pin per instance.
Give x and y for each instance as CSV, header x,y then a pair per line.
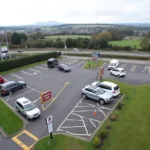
x,y
25,12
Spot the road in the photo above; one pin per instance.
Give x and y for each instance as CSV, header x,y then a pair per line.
x,y
90,52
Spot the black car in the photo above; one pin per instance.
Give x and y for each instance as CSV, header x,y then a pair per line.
x,y
9,87
52,63
63,67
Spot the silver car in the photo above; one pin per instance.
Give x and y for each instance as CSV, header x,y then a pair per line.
x,y
96,93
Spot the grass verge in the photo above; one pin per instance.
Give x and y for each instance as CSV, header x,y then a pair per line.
x,y
130,131
92,64
9,121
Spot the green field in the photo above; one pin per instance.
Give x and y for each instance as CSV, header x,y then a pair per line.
x,y
92,64
9,121
64,37
131,43
130,132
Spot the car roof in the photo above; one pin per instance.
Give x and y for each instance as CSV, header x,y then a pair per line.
x,y
7,83
113,60
52,59
91,87
109,83
23,101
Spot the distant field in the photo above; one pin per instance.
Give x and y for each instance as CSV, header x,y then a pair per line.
x,y
64,37
131,43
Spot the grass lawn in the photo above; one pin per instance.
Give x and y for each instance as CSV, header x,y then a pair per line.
x,y
130,132
131,43
9,121
92,64
64,37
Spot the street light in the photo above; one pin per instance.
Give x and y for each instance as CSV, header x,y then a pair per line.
x,y
65,48
7,43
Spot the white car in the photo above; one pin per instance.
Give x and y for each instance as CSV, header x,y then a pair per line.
x,y
27,108
118,72
109,87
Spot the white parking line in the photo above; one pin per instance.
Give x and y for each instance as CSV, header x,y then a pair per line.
x,y
123,65
36,100
72,127
16,76
34,89
92,123
83,110
19,95
78,134
146,68
41,67
104,107
73,120
26,73
68,115
77,64
133,68
5,79
35,70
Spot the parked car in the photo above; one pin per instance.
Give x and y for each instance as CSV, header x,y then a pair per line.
x,y
96,93
118,72
1,80
52,62
9,87
64,68
27,108
19,50
107,86
114,63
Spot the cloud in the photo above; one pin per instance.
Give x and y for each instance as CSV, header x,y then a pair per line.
x,y
19,12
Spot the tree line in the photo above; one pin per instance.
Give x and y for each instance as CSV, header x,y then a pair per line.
x,y
97,41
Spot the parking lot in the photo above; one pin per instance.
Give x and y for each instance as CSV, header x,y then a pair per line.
x,y
71,114
82,122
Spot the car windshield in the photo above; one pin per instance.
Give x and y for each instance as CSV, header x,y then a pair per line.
x,y
100,91
112,64
63,65
122,70
29,107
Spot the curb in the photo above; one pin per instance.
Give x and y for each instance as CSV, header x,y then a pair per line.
x,y
5,135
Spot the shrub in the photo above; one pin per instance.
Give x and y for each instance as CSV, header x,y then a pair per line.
x,y
120,106
108,126
12,64
96,142
113,117
103,135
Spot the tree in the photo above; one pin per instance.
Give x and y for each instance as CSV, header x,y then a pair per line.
x,y
16,39
144,43
59,43
69,42
23,37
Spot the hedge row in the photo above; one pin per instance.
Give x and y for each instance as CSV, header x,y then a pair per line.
x,y
110,56
15,63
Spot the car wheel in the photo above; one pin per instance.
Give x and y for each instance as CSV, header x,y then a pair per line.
x,y
101,101
118,76
110,72
17,109
10,92
84,96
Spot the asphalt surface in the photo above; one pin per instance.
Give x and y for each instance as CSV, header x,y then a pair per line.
x,y
88,52
67,106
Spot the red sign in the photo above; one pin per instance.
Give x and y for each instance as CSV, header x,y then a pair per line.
x,y
46,96
101,71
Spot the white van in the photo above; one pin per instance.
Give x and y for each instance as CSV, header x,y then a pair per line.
x,y
114,63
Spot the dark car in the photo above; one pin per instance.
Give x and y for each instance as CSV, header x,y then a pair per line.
x,y
52,63
63,67
9,87
20,51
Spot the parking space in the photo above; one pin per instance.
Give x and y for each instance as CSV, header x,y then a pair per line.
x,y
132,68
86,117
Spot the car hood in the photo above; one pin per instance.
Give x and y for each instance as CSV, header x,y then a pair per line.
x,y
66,68
33,111
106,95
21,82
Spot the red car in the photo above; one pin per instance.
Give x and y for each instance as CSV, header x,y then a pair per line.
x,y
1,80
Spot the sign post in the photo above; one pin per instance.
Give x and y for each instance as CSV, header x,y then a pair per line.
x,y
101,73
49,126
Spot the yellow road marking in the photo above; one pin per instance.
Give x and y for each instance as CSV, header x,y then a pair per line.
x,y
20,143
44,108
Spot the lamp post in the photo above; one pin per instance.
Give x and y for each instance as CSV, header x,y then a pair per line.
x,y
7,43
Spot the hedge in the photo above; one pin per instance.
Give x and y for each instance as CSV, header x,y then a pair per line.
x,y
110,56
15,63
